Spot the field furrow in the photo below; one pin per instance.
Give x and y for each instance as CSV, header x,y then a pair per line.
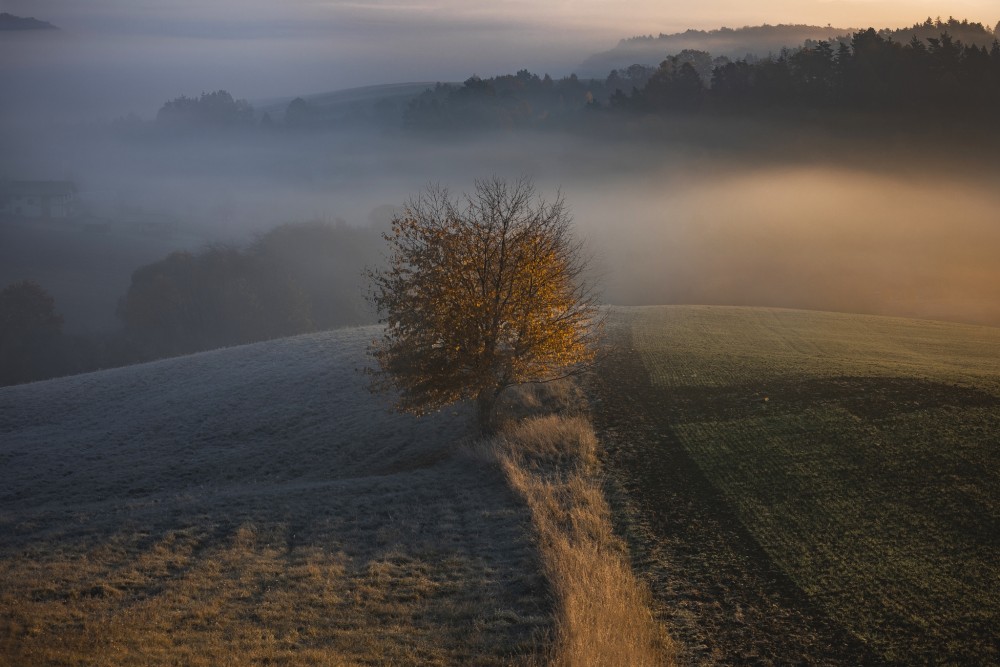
x,y
861,454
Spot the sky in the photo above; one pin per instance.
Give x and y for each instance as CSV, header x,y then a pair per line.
x,y
382,18
132,55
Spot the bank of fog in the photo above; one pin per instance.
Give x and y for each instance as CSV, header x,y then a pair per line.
x,y
823,238
667,222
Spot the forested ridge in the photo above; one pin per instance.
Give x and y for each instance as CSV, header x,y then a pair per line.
x,y
931,68
871,71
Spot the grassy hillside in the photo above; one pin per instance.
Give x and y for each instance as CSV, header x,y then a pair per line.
x,y
862,454
254,504
796,488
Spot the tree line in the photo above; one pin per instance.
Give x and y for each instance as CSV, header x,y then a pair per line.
x,y
933,66
297,278
511,100
220,112
870,71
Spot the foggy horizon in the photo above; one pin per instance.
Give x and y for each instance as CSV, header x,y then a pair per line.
x,y
717,210
113,58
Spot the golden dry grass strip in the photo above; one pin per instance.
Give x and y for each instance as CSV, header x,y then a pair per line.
x,y
602,612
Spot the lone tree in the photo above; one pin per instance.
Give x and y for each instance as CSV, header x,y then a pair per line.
x,y
480,293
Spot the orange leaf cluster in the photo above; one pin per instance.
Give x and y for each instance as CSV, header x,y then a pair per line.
x,y
479,295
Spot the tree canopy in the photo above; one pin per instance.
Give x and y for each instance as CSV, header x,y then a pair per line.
x,y
210,110
480,293
29,326
935,68
221,296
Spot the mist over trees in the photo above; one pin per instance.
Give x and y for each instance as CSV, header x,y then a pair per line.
x,y
215,110
11,22
935,65
326,262
514,100
220,296
287,159
30,329
219,111
968,32
752,43
302,114
872,73
748,42
869,72
295,279
34,346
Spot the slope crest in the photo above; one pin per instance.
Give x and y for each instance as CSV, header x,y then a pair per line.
x,y
289,409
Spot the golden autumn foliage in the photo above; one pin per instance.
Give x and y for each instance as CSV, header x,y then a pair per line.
x,y
480,294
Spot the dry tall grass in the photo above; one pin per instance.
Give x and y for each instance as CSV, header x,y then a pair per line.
x,y
602,615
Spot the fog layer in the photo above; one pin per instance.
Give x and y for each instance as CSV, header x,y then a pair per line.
x,y
856,229
820,237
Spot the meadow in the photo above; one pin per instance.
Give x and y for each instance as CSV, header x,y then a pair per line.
x,y
257,505
853,464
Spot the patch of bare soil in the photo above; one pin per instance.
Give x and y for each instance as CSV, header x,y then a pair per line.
x,y
716,590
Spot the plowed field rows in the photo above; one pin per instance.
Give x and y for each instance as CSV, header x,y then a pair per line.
x,y
853,462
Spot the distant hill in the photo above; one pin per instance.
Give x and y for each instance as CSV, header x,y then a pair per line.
x,y
760,41
11,22
729,42
351,103
968,33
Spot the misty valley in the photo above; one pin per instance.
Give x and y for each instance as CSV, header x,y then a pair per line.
x,y
742,212
770,435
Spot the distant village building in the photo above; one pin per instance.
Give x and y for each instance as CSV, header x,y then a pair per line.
x,y
38,199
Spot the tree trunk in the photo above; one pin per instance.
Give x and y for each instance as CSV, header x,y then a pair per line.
x,y
485,402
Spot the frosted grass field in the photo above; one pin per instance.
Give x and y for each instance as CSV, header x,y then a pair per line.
x,y
254,503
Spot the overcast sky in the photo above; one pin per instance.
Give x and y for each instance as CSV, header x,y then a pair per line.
x,y
131,55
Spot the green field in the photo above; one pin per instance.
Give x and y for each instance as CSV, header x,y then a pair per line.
x,y
861,453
